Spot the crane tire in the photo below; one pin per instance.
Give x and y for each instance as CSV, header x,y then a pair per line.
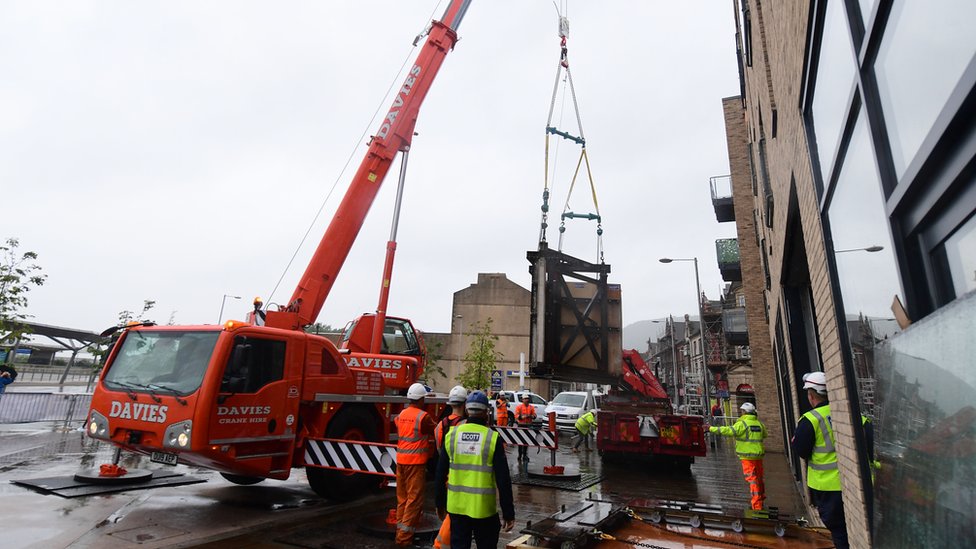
x,y
349,424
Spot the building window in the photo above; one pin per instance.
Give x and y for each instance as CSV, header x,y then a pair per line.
x,y
926,49
868,280
747,32
835,76
960,251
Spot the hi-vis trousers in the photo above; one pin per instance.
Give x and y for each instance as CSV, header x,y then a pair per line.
x,y
753,471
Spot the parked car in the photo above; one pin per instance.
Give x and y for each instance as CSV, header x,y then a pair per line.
x,y
570,405
515,398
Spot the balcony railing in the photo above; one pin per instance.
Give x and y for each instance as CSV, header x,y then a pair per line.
x,y
722,197
727,252
735,326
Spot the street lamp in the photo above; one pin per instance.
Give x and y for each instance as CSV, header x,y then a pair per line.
x,y
701,324
460,335
869,249
222,302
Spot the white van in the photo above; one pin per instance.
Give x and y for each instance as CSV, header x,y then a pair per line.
x,y
570,405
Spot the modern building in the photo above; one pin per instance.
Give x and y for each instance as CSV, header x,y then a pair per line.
x,y
852,149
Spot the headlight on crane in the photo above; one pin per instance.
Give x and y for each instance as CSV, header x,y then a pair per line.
x,y
98,426
178,435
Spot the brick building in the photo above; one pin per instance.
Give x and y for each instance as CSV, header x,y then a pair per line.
x,y
853,157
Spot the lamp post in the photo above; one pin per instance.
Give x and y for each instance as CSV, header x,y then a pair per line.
x,y
701,325
676,378
460,338
222,302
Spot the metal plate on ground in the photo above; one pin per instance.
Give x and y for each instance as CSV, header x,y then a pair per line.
x,y
68,487
584,481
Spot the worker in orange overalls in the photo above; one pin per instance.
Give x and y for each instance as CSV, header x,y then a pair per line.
x,y
501,410
455,399
749,433
414,429
524,416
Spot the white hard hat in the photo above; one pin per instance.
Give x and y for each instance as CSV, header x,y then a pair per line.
x,y
748,407
416,391
816,381
457,395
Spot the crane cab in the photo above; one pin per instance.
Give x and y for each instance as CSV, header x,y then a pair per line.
x,y
402,354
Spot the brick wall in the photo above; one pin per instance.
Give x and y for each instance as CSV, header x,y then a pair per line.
x,y
775,81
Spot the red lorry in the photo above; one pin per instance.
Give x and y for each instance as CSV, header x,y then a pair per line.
x,y
637,419
255,401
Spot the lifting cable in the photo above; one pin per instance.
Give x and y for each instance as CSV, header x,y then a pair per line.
x,y
383,102
580,140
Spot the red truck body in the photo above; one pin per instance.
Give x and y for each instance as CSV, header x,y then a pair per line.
x,y
639,421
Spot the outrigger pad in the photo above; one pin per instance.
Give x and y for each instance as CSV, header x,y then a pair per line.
x,y
576,484
70,487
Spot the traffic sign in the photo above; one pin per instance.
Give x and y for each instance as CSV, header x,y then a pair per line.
x,y
496,379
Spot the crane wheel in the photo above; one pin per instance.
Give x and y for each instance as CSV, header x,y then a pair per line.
x,y
349,424
241,479
737,526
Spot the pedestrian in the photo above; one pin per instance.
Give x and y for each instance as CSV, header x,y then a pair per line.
x,y
5,379
501,410
470,471
749,433
814,441
524,416
717,409
585,425
455,399
414,429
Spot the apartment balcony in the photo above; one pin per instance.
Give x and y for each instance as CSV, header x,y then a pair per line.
x,y
727,252
735,327
722,197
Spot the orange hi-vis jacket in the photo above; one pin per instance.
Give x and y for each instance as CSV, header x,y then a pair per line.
x,y
501,413
524,414
443,426
412,444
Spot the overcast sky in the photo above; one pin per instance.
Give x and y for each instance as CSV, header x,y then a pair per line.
x,y
178,151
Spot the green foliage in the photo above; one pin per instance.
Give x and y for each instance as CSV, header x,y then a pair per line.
x,y
481,357
432,368
100,350
18,274
319,328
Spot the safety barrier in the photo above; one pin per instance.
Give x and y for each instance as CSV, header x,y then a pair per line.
x,y
18,407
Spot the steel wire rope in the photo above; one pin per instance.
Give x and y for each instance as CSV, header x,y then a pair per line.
x,y
397,78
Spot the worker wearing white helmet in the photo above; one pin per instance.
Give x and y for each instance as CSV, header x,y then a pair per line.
x,y
749,433
814,441
414,430
455,399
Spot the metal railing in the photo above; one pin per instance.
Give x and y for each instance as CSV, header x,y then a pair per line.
x,y
52,374
68,408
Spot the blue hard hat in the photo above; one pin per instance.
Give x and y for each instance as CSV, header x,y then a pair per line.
x,y
476,401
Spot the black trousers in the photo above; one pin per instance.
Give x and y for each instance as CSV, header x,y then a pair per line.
x,y
830,507
485,531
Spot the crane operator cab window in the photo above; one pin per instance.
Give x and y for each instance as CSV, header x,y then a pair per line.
x,y
399,338
253,363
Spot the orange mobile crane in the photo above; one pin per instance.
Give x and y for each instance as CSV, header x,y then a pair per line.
x,y
254,401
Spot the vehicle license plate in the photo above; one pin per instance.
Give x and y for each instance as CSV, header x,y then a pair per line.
x,y
162,457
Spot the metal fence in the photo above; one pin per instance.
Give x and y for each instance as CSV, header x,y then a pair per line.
x,y
69,408
52,374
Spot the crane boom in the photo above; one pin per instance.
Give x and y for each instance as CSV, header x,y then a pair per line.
x,y
394,134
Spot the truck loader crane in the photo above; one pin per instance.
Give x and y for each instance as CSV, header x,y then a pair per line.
x,y
254,402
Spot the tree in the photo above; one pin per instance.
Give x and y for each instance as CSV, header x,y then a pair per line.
x,y
319,328
18,275
481,357
432,368
100,350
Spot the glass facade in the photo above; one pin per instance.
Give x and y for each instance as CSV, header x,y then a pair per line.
x,y
925,436
835,80
926,48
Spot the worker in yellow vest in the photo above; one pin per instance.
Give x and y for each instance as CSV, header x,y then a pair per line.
x,y
471,470
585,425
455,399
814,441
414,429
749,434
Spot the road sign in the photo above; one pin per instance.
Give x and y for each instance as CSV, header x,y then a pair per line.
x,y
496,379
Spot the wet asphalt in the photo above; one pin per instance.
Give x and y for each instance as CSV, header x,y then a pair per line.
x,y
219,514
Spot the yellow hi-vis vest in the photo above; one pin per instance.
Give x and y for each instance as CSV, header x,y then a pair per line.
x,y
822,472
471,479
749,433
